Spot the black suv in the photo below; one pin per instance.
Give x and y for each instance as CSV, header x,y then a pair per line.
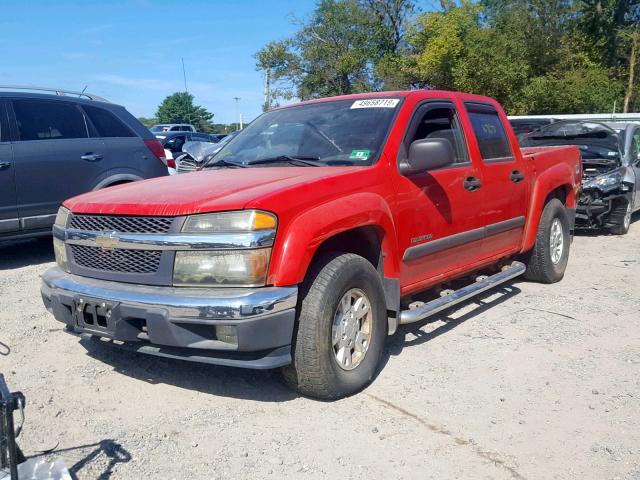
x,y
56,146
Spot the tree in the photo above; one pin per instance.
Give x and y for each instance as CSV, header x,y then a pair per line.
x,y
633,60
345,46
334,50
277,62
391,19
148,122
179,108
533,56
603,22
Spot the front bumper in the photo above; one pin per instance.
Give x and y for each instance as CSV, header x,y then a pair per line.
x,y
597,210
182,323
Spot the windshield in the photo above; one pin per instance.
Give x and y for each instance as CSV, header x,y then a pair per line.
x,y
341,132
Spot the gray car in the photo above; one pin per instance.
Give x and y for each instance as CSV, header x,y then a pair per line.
x,y
55,146
610,165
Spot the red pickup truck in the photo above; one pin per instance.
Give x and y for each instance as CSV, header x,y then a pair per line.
x,y
315,233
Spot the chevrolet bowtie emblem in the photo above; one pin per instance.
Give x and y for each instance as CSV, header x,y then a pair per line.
x,y
107,241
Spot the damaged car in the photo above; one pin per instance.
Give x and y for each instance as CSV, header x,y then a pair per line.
x,y
610,169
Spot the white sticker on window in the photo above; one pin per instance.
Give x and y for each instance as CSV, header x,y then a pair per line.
x,y
376,103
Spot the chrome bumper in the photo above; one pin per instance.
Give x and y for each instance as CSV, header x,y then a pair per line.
x,y
180,322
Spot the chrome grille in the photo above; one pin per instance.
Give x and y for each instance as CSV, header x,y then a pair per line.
x,y
97,223
116,260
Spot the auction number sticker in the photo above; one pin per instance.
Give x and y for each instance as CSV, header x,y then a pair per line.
x,y
376,103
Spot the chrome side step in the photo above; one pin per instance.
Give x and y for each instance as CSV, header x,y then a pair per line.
x,y
481,285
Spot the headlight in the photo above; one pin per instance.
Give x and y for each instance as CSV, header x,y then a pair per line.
x,y
236,266
60,252
230,222
605,182
222,268
62,217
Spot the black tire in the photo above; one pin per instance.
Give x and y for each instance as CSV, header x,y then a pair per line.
x,y
315,371
623,212
20,458
540,266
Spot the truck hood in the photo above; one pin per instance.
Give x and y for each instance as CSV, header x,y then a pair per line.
x,y
201,192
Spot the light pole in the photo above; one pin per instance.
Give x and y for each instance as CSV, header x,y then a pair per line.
x,y
238,114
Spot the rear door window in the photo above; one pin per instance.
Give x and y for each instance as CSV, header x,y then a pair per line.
x,y
106,123
42,120
490,134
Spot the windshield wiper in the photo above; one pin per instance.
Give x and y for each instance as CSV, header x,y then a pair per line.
x,y
307,161
324,136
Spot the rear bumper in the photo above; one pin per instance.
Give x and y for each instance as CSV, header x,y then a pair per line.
x,y
250,328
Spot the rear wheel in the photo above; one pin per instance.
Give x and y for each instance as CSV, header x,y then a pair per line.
x,y
548,259
340,330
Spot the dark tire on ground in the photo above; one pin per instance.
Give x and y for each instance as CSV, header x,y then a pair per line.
x,y
539,262
623,212
315,371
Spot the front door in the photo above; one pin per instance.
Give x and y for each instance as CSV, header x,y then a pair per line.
x,y
439,220
8,205
505,184
54,157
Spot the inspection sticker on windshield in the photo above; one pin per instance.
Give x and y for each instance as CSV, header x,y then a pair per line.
x,y
376,103
359,154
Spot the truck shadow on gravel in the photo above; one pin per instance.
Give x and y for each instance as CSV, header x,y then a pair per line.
x,y
268,386
417,336
23,253
258,385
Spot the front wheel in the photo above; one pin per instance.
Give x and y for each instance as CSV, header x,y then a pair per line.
x,y
623,228
341,328
547,261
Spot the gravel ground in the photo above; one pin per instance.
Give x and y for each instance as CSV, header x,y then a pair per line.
x,y
530,381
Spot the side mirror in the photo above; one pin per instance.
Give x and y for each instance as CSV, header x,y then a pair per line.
x,y
428,154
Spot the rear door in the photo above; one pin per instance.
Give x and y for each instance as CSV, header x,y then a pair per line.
x,y
8,204
439,220
126,153
505,185
54,158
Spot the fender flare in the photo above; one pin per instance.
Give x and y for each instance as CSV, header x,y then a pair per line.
x,y
299,240
560,175
120,177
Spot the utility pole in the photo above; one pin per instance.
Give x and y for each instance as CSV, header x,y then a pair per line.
x,y
237,99
184,75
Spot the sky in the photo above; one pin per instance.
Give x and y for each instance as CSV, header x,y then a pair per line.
x,y
129,51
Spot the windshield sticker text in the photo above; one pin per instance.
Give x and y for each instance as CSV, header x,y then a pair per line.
x,y
376,103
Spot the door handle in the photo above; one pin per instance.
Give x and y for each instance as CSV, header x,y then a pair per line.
x,y
4,165
472,184
516,176
91,157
